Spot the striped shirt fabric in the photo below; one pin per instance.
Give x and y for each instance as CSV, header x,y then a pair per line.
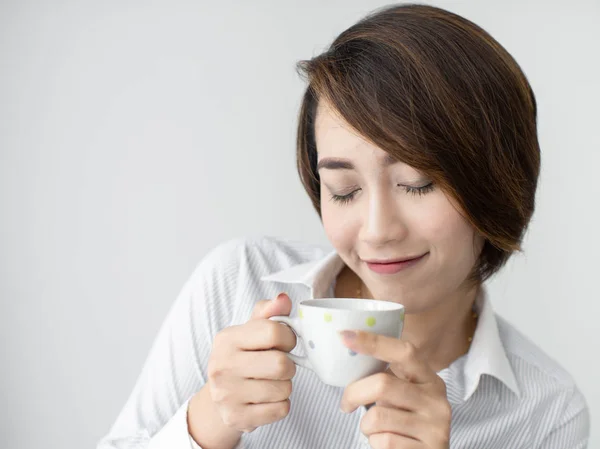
x,y
505,392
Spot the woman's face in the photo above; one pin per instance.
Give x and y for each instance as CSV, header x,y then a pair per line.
x,y
386,211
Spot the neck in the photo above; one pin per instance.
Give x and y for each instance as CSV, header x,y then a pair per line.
x,y
438,340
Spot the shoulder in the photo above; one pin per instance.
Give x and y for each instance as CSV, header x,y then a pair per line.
x,y
260,254
244,260
543,381
529,359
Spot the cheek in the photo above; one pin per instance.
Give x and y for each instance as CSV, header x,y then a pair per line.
x,y
448,232
338,226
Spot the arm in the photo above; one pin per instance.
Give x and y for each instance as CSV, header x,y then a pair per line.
x,y
155,414
573,430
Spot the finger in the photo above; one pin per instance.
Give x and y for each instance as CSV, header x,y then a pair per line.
x,y
258,391
385,419
257,415
270,364
388,440
281,305
392,350
382,388
261,334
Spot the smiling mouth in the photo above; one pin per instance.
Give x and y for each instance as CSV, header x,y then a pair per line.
x,y
392,261
392,266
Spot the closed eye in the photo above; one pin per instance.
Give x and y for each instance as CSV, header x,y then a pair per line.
x,y
422,190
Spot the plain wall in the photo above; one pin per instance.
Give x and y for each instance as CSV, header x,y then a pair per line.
x,y
136,136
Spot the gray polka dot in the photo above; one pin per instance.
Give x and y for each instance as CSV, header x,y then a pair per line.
x,y
311,344
351,352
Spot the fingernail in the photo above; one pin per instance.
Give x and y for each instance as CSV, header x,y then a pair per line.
x,y
348,336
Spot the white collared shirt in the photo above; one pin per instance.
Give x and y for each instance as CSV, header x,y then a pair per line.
x,y
505,392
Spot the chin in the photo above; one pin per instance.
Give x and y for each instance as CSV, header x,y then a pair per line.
x,y
415,299
398,295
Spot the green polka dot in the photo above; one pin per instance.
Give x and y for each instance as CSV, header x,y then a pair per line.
x,y
371,321
300,314
328,317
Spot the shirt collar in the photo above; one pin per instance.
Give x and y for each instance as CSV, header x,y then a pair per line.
x,y
486,354
318,274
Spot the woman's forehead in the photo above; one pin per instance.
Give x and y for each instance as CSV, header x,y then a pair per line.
x,y
333,133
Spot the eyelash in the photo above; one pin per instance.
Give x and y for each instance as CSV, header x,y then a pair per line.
x,y
345,199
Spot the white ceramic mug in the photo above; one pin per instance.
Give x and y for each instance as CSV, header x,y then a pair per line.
x,y
318,323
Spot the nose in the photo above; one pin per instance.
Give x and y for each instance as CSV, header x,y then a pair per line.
x,y
383,222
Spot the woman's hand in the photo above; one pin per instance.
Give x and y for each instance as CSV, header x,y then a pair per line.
x,y
411,410
249,374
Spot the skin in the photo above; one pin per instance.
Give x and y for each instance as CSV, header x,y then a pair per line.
x,y
395,212
249,378
249,375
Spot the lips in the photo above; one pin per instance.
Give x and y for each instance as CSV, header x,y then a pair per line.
x,y
388,261
392,266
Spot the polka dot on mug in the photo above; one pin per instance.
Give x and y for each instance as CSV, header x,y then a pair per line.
x,y
371,321
300,314
351,352
328,317
311,344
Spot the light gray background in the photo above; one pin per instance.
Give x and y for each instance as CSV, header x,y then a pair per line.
x,y
135,136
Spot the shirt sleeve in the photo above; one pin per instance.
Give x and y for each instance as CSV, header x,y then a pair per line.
x,y
155,414
573,430
174,434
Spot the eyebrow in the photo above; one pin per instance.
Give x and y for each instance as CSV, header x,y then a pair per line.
x,y
334,163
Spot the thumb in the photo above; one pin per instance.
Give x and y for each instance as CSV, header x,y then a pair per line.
x,y
281,305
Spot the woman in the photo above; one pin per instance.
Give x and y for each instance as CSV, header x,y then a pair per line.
x,y
417,144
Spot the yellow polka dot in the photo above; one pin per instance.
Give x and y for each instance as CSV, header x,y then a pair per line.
x,y
300,314
371,321
328,317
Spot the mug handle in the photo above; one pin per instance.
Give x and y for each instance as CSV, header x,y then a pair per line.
x,y
292,323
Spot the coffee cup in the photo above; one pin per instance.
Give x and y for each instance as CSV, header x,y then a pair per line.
x,y
318,324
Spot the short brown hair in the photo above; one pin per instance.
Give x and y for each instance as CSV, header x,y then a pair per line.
x,y
437,92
